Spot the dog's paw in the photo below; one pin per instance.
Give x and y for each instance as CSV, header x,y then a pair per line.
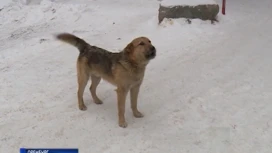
x,y
138,114
123,124
98,101
82,107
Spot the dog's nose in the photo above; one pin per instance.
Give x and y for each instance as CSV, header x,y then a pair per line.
x,y
152,48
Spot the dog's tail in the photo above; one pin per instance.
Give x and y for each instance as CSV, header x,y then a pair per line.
x,y
73,40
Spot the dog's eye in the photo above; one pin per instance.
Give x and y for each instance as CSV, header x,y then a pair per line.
x,y
141,43
149,41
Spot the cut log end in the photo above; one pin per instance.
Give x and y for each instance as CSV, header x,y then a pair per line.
x,y
203,12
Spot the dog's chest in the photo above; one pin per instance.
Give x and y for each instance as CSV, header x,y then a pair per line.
x,y
136,78
127,74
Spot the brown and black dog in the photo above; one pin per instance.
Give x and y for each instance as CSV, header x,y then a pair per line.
x,y
124,69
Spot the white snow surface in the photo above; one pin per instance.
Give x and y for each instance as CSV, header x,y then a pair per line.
x,y
4,3
169,3
209,89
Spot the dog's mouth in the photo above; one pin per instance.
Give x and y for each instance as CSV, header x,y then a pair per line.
x,y
151,54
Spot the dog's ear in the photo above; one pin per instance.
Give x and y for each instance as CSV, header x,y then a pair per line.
x,y
129,48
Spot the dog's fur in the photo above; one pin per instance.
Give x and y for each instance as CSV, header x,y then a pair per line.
x,y
124,69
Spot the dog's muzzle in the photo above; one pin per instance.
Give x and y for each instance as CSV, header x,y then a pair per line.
x,y
151,53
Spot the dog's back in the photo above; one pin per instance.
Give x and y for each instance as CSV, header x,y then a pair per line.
x,y
98,59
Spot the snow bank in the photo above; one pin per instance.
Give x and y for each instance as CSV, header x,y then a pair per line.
x,y
186,2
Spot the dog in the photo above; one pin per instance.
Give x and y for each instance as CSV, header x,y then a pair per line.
x,y
124,69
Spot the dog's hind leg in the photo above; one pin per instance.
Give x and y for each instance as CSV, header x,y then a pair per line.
x,y
95,81
82,79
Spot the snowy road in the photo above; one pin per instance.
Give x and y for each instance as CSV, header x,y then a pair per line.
x,y
208,91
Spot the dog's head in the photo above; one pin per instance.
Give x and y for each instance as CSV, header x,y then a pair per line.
x,y
140,50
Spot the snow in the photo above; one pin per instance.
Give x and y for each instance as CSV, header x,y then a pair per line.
x,y
4,3
209,89
169,3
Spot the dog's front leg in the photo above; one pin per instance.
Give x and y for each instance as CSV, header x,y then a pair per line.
x,y
121,98
134,92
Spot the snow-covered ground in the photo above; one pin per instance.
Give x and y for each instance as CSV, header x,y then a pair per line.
x,y
208,91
